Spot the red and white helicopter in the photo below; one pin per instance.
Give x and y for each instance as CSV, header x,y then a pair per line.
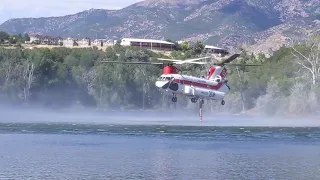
x,y
212,87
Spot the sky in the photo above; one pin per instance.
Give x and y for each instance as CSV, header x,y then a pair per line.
x,y
44,8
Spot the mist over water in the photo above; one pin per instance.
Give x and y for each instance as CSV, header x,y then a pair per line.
x,y
11,114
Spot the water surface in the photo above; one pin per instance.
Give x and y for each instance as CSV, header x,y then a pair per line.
x,y
106,151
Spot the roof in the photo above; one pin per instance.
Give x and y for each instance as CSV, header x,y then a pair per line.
x,y
212,47
44,36
148,40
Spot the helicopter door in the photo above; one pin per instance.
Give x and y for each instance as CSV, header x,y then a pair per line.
x,y
188,90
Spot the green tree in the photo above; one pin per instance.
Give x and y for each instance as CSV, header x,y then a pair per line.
x,y
198,47
26,37
4,36
308,57
270,102
61,77
185,46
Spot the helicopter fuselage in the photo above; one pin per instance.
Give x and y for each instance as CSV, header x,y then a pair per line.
x,y
193,87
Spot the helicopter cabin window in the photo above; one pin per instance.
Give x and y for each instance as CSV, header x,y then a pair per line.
x,y
164,78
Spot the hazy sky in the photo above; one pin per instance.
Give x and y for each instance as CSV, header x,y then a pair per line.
x,y
42,8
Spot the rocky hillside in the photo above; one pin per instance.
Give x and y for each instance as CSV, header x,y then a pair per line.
x,y
227,23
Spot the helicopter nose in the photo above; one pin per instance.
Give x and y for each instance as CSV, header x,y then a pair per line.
x,y
162,84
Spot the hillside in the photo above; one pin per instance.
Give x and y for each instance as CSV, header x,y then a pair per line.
x,y
226,23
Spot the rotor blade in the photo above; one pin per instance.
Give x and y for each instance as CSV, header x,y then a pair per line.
x,y
179,61
228,60
152,63
196,59
174,60
138,62
195,63
243,65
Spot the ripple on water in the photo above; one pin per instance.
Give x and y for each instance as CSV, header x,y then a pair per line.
x,y
190,132
30,151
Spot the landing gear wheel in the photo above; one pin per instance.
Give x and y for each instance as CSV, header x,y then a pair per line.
x,y
174,99
223,102
194,100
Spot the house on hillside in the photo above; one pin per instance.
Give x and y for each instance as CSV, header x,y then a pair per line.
x,y
60,41
45,40
158,45
102,43
50,40
216,50
34,39
69,42
97,43
109,43
84,42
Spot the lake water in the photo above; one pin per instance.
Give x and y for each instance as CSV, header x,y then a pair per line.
x,y
102,151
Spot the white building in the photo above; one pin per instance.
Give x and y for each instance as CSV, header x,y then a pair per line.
x,y
148,43
35,38
84,42
69,42
97,42
216,50
44,39
103,42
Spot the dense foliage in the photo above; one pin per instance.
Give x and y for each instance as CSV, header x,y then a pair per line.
x,y
16,39
63,77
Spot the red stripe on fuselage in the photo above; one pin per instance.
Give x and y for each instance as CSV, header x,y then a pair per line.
x,y
197,84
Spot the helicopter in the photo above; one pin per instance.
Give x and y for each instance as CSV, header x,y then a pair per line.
x,y
213,86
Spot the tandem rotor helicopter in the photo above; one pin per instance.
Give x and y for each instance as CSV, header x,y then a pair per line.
x,y
213,86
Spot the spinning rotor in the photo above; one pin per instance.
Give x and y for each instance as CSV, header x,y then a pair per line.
x,y
170,62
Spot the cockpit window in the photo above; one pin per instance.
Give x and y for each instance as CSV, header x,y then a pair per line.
x,y
164,78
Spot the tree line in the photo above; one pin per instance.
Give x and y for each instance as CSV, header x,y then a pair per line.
x,y
287,81
15,39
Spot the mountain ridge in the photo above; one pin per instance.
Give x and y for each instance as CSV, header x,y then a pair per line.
x,y
227,23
